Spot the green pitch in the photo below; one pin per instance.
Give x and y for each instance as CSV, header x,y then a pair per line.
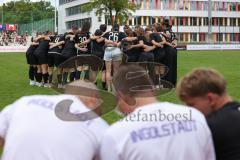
x,y
14,76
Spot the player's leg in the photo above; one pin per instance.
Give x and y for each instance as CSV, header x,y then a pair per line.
x,y
108,74
104,77
45,75
39,76
58,60
50,68
31,69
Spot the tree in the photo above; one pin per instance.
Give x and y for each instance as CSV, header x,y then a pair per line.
x,y
25,11
121,8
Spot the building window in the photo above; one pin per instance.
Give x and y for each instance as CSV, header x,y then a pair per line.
x,y
78,22
64,1
193,37
180,21
232,22
232,37
233,6
193,5
74,10
180,35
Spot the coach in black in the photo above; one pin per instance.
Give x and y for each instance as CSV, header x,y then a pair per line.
x,y
205,89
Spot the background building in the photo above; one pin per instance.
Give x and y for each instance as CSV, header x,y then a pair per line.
x,y
189,18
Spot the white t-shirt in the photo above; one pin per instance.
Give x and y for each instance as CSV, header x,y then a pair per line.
x,y
32,131
145,135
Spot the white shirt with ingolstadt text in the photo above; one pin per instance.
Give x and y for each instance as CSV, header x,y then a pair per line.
x,y
32,131
159,131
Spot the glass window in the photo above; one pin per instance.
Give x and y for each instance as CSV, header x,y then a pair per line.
x,y
64,1
180,36
232,6
232,22
74,10
78,22
193,37
193,21
180,5
232,37
180,21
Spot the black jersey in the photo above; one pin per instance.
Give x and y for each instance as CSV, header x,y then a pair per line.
x,y
56,39
156,37
43,47
82,37
225,128
114,36
69,49
97,47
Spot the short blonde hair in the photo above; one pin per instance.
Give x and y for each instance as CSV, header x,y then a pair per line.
x,y
199,82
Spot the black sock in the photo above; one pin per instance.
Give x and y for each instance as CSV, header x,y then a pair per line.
x,y
59,78
45,77
31,73
78,74
35,72
50,78
39,77
72,76
65,76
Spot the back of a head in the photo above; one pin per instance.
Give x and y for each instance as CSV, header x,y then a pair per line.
x,y
116,27
98,32
132,80
85,28
199,82
140,31
129,32
103,27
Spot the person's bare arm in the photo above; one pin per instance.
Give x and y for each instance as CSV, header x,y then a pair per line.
x,y
157,44
109,42
56,44
84,43
148,48
101,39
34,44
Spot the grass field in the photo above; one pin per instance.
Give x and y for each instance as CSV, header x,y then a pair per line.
x,y
14,76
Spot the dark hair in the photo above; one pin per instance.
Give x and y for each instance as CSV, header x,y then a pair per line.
x,y
103,27
116,27
98,32
85,28
140,31
129,32
47,33
132,80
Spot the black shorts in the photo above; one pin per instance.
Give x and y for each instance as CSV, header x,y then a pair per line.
x,y
99,54
31,59
159,55
146,57
41,57
55,59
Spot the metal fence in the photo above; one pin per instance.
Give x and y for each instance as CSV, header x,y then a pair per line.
x,y
37,26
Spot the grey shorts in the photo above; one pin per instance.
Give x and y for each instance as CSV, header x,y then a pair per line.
x,y
112,54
